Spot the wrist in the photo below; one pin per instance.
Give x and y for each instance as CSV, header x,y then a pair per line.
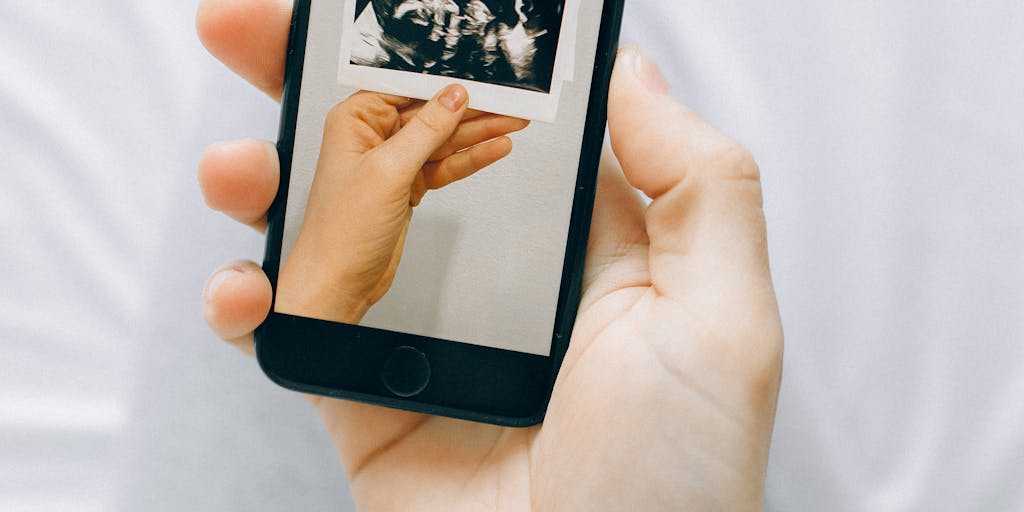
x,y
305,291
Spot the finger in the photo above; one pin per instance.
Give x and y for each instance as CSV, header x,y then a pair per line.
x,y
434,123
659,141
475,131
418,190
393,99
409,111
236,300
705,224
360,123
465,163
250,37
618,246
240,178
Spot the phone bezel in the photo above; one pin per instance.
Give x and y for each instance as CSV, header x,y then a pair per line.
x,y
343,361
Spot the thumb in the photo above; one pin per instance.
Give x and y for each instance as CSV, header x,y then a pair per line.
x,y
705,223
408,150
659,141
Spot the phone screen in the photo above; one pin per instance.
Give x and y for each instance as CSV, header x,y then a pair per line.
x,y
483,257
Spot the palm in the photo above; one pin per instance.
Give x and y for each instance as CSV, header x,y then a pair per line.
x,y
407,461
616,427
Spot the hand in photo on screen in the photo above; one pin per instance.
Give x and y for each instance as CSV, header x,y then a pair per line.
x,y
380,156
666,398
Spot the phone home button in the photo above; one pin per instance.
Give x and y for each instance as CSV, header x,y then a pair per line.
x,y
406,372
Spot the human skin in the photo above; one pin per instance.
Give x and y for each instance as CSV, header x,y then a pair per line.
x,y
380,155
666,398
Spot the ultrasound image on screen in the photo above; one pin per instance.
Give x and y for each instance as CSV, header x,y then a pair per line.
x,y
501,42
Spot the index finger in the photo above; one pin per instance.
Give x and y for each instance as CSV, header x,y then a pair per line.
x,y
250,37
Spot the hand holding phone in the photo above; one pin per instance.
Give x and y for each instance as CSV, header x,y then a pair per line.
x,y
380,155
484,282
667,396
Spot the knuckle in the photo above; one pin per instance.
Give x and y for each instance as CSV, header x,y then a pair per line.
x,y
760,349
353,108
733,160
766,356
378,161
446,150
430,119
370,104
754,356
435,175
766,365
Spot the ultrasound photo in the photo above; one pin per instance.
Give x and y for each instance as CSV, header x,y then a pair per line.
x,y
500,42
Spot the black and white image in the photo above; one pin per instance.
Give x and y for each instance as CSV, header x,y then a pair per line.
x,y
513,56
501,42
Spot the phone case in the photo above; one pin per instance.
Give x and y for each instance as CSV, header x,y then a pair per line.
x,y
332,359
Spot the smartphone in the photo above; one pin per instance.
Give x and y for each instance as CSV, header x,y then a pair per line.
x,y
479,315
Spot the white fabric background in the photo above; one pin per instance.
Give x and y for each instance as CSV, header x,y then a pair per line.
x,y
891,141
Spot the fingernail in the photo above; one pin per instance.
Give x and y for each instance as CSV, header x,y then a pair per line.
x,y
218,279
453,97
648,71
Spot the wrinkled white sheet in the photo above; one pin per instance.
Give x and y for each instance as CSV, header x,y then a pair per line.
x,y
889,137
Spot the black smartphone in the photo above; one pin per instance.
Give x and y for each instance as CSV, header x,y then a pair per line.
x,y
480,312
